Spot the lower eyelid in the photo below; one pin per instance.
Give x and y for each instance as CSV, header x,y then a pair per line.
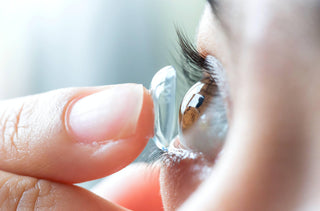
x,y
181,174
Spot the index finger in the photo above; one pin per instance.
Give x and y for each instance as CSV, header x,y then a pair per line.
x,y
74,135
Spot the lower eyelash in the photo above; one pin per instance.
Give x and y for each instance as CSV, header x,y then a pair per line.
x,y
207,69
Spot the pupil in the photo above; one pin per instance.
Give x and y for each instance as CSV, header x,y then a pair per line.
x,y
200,101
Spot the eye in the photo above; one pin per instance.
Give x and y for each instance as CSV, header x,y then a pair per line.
x,y
202,123
203,113
195,102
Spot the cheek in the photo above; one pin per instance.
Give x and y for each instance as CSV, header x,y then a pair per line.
x,y
179,178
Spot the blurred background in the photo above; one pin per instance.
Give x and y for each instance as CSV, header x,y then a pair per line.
x,y
52,44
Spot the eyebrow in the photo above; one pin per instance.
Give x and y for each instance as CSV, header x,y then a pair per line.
x,y
216,10
214,5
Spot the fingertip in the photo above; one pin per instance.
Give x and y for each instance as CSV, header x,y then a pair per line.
x,y
117,154
109,114
111,156
135,144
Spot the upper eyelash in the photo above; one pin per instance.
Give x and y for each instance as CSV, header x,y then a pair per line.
x,y
189,51
194,64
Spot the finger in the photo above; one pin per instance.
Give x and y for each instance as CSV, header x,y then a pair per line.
x,y
27,193
77,134
136,187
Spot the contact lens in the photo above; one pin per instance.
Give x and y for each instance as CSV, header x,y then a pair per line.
x,y
163,92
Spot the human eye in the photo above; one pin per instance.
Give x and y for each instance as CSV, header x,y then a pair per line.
x,y
200,98
203,122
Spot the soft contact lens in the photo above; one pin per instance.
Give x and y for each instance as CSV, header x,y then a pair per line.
x,y
163,91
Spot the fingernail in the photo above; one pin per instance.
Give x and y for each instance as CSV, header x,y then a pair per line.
x,y
106,115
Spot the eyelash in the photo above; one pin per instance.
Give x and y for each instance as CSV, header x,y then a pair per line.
x,y
196,64
193,64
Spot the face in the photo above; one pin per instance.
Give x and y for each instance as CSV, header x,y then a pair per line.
x,y
270,53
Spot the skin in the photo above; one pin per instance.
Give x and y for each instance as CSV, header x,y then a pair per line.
x,y
39,168
270,51
272,149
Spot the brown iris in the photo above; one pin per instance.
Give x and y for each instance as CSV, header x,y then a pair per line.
x,y
196,101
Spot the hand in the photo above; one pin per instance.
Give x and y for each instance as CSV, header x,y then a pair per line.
x,y
51,140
